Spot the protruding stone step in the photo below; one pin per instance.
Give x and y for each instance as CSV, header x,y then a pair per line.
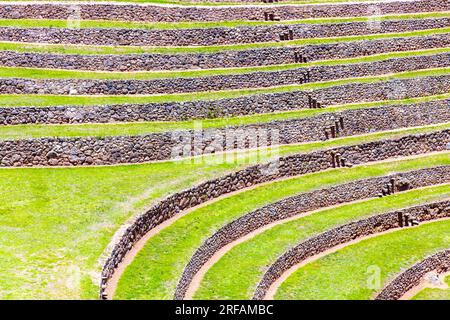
x,y
270,16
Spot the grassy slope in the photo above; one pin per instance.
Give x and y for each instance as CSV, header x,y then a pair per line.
x,y
347,273
37,73
38,100
168,252
47,232
87,49
434,294
52,23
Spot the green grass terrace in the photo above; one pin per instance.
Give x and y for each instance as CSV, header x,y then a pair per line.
x,y
211,3
435,293
42,100
48,234
40,73
27,131
91,49
345,273
155,271
52,23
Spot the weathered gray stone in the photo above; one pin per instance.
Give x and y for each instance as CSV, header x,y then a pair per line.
x,y
211,36
407,280
225,59
221,82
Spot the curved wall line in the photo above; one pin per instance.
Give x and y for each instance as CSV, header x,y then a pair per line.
x,y
344,234
222,82
303,203
247,105
283,167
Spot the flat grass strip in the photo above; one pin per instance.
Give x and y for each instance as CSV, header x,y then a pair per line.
x,y
40,73
27,131
350,272
155,271
110,24
434,293
90,49
43,100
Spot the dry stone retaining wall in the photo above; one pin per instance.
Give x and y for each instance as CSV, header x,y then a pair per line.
x,y
255,104
407,280
253,175
221,82
168,145
182,13
211,36
344,234
225,59
302,203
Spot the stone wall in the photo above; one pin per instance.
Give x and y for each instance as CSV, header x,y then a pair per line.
x,y
344,234
224,59
211,36
394,89
283,167
246,105
170,145
182,13
301,203
407,280
221,82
